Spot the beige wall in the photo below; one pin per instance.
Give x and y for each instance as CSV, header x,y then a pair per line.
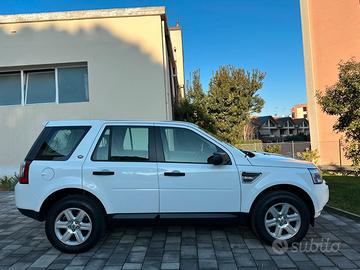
x,y
125,57
331,33
298,111
176,40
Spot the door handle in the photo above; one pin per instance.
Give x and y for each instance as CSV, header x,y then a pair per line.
x,y
104,172
174,173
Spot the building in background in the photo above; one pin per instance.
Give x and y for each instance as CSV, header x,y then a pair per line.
x,y
299,111
331,33
98,64
178,52
278,129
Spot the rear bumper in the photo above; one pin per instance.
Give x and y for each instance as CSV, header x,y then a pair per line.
x,y
32,214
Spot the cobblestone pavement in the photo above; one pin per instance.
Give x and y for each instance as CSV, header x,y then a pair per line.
x,y
170,245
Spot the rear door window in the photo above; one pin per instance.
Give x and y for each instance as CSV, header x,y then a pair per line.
x,y
57,143
123,143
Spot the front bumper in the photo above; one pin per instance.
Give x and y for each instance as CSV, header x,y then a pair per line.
x,y
321,197
32,214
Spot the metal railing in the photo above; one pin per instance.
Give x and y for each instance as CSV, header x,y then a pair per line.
x,y
332,152
289,149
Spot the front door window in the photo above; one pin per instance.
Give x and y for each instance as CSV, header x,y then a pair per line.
x,y
185,146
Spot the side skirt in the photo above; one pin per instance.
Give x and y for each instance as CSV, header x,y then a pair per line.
x,y
239,217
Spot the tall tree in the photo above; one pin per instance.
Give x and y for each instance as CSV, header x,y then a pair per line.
x,y
193,107
232,98
342,100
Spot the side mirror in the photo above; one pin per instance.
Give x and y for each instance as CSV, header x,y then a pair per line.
x,y
219,159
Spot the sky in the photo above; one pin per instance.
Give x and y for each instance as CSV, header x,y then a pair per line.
x,y
251,34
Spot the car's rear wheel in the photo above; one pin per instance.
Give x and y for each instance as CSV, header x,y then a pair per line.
x,y
280,215
75,224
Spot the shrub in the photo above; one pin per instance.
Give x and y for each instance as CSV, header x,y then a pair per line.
x,y
272,148
8,182
309,155
250,145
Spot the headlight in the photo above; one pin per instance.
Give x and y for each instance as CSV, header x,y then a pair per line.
x,y
315,175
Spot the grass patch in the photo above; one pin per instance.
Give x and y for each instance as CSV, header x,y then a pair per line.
x,y
8,182
344,192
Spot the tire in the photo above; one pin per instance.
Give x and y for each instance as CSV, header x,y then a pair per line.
x,y
77,236
275,203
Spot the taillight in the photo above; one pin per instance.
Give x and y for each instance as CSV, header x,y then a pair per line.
x,y
24,172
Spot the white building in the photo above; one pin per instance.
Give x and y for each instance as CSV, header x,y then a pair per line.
x,y
99,64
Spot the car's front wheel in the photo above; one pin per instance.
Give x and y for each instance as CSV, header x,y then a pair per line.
x,y
280,215
75,224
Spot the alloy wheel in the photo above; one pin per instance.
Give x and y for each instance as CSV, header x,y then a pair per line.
x,y
282,221
73,226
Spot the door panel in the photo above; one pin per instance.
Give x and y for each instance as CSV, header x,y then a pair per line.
x,y
204,188
123,169
187,182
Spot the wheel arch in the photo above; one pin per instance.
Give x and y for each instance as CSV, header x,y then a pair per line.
x,y
62,193
301,193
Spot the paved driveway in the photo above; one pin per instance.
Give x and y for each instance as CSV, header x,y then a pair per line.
x,y
166,245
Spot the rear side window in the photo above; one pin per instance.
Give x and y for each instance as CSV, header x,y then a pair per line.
x,y
57,143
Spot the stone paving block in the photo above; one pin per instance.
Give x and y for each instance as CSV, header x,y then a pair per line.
x,y
268,265
244,260
151,265
74,267
320,260
116,259
306,265
253,243
298,256
189,264
154,252
283,261
206,253
224,255
205,245
208,264
170,265
227,266
57,266
19,266
44,261
171,256
342,262
260,254
132,266
95,264
135,257
351,254
188,252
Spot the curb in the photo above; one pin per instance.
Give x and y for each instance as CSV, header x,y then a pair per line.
x,y
342,213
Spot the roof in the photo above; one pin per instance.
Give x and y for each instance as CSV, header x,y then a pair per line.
x,y
283,120
101,122
298,121
82,14
260,120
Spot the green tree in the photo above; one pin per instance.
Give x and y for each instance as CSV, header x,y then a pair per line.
x,y
342,100
193,107
232,98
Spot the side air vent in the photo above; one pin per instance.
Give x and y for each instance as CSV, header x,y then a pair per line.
x,y
249,177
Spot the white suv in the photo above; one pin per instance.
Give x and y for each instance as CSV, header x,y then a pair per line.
x,y
78,173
